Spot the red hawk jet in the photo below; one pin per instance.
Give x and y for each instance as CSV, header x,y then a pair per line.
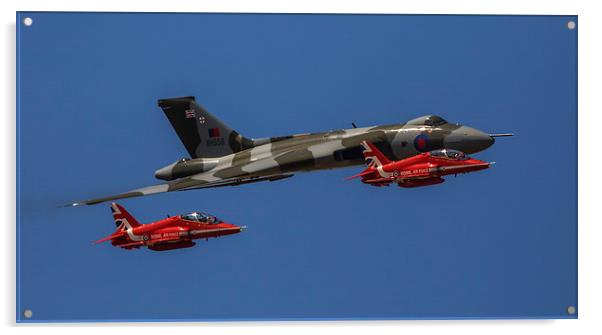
x,y
171,233
420,170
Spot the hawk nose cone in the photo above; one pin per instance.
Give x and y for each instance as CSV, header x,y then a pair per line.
x,y
468,140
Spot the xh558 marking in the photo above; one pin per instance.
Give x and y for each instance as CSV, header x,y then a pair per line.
x,y
222,157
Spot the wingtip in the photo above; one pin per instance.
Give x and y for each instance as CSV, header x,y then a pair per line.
x,y
73,204
354,177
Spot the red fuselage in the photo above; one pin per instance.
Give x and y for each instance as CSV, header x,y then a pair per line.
x,y
170,233
420,170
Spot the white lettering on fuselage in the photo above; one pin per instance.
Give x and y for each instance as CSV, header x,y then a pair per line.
x,y
415,171
164,235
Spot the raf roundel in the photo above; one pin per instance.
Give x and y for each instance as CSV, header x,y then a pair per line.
x,y
421,143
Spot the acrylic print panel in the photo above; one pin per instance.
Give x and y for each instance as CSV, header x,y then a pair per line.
x,y
499,243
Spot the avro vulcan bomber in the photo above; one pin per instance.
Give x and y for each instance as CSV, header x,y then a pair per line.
x,y
220,156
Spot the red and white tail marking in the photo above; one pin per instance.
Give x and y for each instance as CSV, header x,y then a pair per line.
x,y
123,219
125,223
376,159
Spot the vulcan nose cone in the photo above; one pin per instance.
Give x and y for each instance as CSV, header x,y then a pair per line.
x,y
468,140
165,173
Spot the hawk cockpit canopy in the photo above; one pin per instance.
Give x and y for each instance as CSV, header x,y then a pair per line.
x,y
449,154
428,120
201,217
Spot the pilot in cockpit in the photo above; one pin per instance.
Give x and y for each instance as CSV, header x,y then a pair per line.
x,y
429,120
201,217
449,154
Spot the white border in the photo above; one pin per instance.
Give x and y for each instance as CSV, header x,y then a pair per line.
x,y
589,25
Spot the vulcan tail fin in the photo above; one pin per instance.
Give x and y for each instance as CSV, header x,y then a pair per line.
x,y
374,156
123,219
202,134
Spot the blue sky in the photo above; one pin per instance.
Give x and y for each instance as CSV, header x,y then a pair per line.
x,y
498,243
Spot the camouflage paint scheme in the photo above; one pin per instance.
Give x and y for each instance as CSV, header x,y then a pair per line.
x,y
222,157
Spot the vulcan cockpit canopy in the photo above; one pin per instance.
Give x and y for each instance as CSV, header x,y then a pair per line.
x,y
201,217
428,120
449,154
